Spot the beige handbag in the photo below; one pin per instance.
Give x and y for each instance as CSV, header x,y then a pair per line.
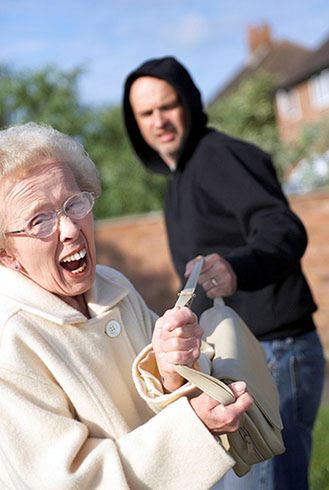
x,y
240,357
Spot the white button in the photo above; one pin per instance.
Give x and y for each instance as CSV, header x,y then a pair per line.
x,y
113,328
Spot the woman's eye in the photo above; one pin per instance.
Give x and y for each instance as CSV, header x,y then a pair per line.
x,y
71,207
40,219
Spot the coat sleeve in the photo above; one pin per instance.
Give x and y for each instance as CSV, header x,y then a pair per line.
x,y
147,378
43,445
242,180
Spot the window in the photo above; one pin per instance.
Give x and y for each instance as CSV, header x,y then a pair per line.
x,y
319,89
288,104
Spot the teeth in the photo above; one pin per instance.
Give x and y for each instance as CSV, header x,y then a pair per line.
x,y
80,269
76,256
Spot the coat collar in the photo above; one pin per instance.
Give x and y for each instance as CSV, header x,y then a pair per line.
x,y
28,296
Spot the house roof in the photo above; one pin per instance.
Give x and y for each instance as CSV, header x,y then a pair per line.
x,y
314,63
279,59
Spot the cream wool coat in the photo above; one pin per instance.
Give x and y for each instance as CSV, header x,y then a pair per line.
x,y
71,417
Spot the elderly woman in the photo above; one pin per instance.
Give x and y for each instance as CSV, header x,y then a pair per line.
x,y
71,417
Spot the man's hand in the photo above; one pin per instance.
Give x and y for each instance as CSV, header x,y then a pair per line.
x,y
176,340
217,276
218,418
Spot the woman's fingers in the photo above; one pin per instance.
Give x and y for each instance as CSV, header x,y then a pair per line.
x,y
176,340
220,418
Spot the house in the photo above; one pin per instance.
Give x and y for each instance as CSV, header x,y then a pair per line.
x,y
303,96
301,79
266,55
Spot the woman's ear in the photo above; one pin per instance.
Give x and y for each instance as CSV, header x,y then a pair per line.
x,y
8,260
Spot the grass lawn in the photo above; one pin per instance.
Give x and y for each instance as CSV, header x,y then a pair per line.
x,y
319,475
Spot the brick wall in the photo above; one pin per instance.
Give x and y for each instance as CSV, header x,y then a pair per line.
x,y
313,209
137,246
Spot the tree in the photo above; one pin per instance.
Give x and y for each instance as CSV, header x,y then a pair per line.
x,y
248,113
127,186
6,96
50,96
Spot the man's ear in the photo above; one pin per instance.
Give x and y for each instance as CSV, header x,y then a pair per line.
x,y
8,260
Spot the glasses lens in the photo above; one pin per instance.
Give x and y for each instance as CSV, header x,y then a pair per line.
x,y
78,206
42,225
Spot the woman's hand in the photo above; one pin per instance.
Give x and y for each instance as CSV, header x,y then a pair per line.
x,y
217,276
176,340
218,418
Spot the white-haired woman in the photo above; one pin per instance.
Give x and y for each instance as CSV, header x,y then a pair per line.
x,y
71,417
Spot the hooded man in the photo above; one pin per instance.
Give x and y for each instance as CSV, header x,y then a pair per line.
x,y
223,201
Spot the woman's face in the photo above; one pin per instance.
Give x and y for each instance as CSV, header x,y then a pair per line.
x,y
50,262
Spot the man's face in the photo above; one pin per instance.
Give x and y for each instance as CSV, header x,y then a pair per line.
x,y
160,116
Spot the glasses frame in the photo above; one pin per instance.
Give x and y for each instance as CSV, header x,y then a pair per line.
x,y
56,213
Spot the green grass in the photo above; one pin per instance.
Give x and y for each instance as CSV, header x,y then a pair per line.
x,y
319,474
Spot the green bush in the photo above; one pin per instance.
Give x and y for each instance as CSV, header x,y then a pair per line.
x,y
319,474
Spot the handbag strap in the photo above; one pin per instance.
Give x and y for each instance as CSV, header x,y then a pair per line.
x,y
208,384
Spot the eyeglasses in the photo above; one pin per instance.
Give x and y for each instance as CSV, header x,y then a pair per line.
x,y
44,224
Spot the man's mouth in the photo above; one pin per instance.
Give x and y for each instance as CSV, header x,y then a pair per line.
x,y
75,263
166,137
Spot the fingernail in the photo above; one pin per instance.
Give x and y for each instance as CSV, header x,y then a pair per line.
x,y
240,386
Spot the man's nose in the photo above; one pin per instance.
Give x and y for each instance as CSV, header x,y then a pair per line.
x,y
159,118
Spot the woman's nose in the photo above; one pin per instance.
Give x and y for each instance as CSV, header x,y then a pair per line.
x,y
68,228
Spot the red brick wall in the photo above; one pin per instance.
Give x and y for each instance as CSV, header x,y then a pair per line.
x,y
137,246
313,209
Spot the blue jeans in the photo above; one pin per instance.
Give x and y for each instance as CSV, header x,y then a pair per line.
x,y
297,365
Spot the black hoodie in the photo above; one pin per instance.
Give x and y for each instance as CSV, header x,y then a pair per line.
x,y
224,197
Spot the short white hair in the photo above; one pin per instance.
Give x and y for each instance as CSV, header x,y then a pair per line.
x,y
29,145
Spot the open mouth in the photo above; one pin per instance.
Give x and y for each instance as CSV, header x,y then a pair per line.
x,y
75,263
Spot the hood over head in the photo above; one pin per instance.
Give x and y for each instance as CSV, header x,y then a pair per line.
x,y
170,70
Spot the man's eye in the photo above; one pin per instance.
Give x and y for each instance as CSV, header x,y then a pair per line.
x,y
171,105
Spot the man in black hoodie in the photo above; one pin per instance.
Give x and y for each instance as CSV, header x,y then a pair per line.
x,y
223,201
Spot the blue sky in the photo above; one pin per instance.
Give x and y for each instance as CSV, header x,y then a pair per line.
x,y
110,38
